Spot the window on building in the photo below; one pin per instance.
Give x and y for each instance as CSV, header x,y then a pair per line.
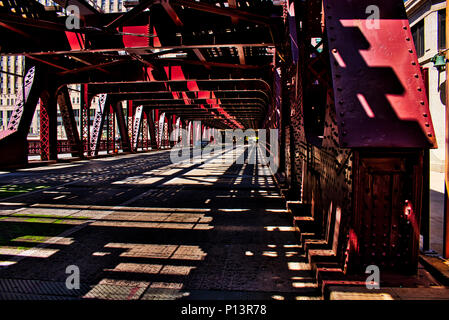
x,y
442,29
418,38
8,115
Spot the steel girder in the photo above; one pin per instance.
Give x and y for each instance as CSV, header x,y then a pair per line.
x,y
121,121
85,118
13,140
137,125
152,129
65,107
97,129
48,123
390,107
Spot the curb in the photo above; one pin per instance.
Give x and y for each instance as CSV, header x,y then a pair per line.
x,y
437,267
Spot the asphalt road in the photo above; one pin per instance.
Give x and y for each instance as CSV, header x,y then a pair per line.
x,y
142,227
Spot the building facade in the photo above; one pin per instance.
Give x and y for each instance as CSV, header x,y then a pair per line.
x,y
428,25
12,71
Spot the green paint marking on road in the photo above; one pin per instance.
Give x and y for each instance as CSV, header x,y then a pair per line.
x,y
11,232
14,189
30,238
20,215
39,220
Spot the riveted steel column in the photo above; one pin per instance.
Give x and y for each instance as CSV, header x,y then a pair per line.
x,y
97,129
121,123
152,129
137,126
68,119
48,125
85,118
13,140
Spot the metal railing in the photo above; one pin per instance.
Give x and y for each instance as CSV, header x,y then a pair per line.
x,y
64,146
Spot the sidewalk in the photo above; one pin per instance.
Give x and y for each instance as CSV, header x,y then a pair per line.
x,y
431,283
360,293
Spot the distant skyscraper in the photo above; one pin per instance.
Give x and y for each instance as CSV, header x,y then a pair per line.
x,y
13,70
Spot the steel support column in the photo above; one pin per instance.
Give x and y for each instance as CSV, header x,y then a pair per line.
x,y
152,129
144,132
130,115
137,126
48,125
170,129
97,129
121,123
13,140
85,118
68,118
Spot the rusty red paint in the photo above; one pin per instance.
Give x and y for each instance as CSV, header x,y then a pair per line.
x,y
131,41
76,40
382,66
